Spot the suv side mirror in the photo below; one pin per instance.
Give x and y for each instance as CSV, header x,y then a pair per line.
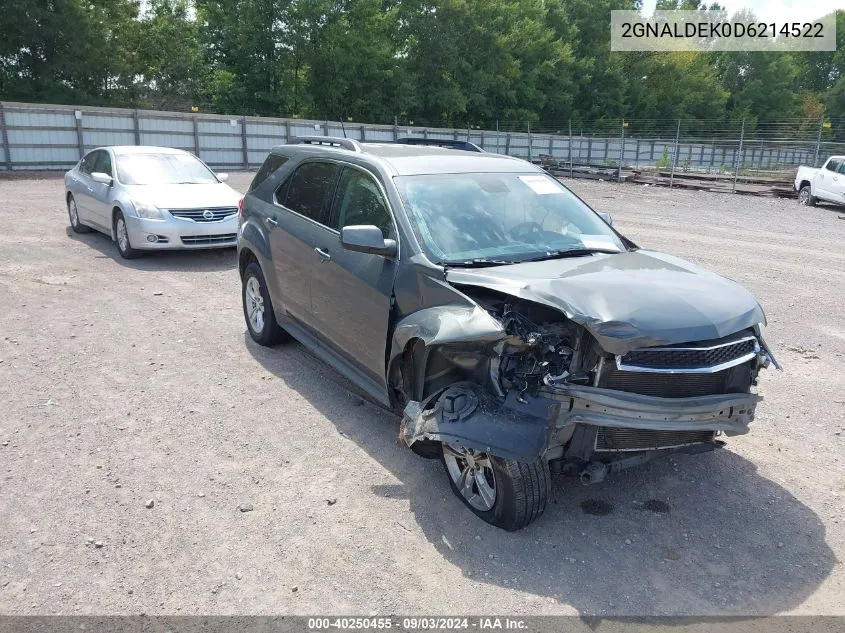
x,y
102,178
607,218
367,238
222,177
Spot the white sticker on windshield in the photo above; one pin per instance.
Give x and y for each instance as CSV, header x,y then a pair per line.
x,y
603,242
541,185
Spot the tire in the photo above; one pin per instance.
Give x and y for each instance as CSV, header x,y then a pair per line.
x,y
258,309
521,489
806,198
73,215
124,246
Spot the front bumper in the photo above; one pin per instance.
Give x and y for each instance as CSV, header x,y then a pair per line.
x,y
177,233
730,413
525,427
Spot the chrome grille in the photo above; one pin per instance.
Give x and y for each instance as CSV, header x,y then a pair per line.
x,y
204,240
214,214
690,357
626,439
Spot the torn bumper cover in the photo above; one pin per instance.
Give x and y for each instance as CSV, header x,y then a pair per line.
x,y
525,427
463,416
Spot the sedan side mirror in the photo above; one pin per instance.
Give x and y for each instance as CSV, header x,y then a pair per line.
x,y
102,178
367,238
222,177
607,218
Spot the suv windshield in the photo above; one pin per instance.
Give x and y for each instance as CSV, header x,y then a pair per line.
x,y
162,169
492,217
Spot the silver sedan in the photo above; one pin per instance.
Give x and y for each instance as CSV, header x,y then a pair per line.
x,y
151,198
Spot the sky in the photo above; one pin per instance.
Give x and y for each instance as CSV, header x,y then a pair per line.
x,y
773,10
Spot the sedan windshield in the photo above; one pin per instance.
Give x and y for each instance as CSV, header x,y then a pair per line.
x,y
162,169
501,218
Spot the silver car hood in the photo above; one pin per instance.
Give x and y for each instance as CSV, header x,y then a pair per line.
x,y
627,300
201,196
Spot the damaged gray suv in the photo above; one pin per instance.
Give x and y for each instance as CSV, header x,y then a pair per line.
x,y
513,329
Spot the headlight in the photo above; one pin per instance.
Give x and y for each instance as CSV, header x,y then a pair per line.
x,y
147,211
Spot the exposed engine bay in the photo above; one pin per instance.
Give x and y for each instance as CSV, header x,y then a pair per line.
x,y
548,378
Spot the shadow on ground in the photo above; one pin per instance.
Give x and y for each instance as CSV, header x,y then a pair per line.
x,y
200,261
689,535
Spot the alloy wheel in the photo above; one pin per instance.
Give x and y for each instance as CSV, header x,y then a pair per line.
x,y
472,474
122,235
255,305
74,213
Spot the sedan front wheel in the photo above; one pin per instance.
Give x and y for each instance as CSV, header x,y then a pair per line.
x,y
122,235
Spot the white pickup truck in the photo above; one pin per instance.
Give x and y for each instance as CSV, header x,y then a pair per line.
x,y
826,184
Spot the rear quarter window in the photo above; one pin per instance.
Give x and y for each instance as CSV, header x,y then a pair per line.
x,y
271,165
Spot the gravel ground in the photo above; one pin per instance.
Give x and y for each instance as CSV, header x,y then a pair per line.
x,y
276,490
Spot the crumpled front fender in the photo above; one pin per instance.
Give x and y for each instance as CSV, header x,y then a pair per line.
x,y
465,416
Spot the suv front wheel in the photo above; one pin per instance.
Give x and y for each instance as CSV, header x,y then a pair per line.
x,y
504,492
258,310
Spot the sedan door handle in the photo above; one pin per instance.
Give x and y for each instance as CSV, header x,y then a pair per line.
x,y
272,221
324,254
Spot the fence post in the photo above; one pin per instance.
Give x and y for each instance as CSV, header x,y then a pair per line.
x,y
675,155
243,143
467,132
738,158
570,148
362,132
287,130
621,153
80,141
551,145
196,136
508,144
818,142
5,135
136,125
497,136
637,158
529,140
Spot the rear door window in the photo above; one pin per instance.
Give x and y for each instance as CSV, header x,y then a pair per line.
x,y
270,166
309,190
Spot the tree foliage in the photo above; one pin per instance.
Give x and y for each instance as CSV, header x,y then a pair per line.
x,y
434,62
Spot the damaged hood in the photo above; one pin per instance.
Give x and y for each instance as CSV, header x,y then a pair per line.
x,y
627,300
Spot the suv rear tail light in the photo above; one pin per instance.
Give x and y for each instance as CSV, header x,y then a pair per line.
x,y
241,208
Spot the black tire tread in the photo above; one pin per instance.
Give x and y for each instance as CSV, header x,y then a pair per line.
x,y
523,489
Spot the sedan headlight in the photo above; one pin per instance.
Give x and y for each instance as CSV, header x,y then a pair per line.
x,y
147,211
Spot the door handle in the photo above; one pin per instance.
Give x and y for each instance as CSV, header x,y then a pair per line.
x,y
324,254
272,221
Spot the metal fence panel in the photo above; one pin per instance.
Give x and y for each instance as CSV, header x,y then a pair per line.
x,y
35,136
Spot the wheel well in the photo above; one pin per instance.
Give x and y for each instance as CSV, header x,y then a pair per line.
x,y
68,196
804,183
245,258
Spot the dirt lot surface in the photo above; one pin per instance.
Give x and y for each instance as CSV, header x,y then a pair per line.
x,y
123,382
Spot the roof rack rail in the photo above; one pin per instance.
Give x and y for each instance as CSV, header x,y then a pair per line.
x,y
440,142
345,143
